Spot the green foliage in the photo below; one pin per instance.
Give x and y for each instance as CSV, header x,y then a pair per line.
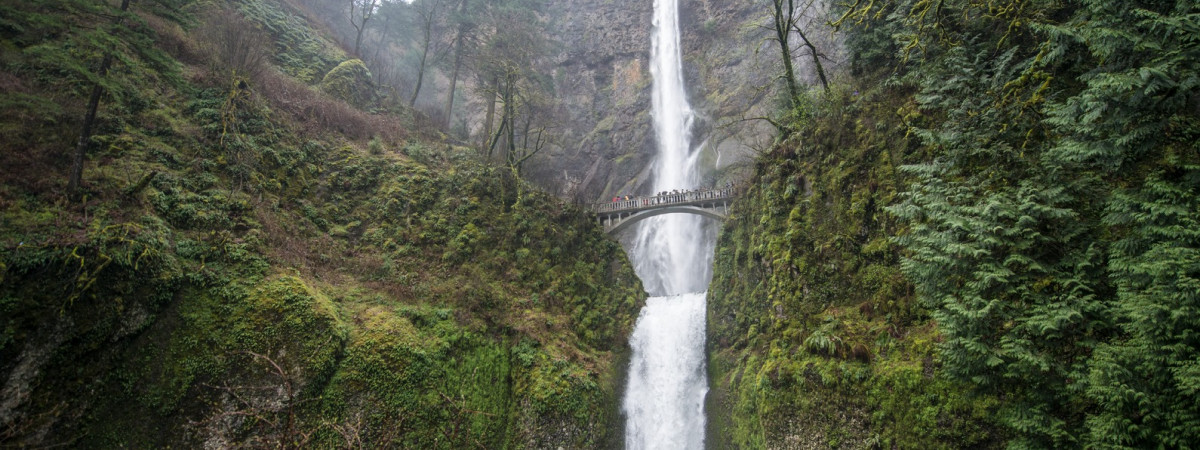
x,y
999,251
1133,126
421,380
71,46
299,51
1147,379
1040,173
1058,136
816,335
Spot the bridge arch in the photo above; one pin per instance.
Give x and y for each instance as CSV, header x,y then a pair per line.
x,y
624,222
620,214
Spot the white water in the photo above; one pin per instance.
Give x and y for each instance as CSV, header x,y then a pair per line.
x,y
664,398
664,402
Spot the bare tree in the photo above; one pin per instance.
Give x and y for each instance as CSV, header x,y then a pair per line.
x,y
235,46
788,18
506,60
428,13
783,18
535,131
798,27
491,91
382,41
464,25
361,12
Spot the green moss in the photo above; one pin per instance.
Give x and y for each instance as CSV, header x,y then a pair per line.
x,y
351,82
300,51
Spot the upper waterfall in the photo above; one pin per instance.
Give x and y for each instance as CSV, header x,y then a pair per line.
x,y
670,254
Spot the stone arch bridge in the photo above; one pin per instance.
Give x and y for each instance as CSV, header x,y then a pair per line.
x,y
622,214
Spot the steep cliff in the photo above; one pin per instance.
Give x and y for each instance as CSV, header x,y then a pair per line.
x,y
602,76
602,79
816,338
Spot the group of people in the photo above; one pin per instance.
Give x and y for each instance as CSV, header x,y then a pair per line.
x,y
672,196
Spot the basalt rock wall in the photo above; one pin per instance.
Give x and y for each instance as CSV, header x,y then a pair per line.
x,y
601,75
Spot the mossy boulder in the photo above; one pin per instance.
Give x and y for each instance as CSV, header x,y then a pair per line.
x,y
351,82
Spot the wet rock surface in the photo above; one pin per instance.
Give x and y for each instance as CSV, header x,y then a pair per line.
x,y
601,74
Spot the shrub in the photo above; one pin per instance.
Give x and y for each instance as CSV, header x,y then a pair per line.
x,y
315,110
234,46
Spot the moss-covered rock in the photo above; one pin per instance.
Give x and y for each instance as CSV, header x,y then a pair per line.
x,y
350,82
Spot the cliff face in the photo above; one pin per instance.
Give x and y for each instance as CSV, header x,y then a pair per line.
x,y
729,70
815,337
602,77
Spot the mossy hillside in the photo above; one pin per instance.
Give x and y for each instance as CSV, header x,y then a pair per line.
x,y
815,335
299,50
229,280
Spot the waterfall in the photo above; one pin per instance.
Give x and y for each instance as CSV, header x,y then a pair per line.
x,y
672,254
664,402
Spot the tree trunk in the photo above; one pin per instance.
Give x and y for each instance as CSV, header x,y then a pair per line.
x,y
412,102
387,28
783,28
815,56
494,139
75,180
458,40
368,8
491,115
358,40
453,83
510,117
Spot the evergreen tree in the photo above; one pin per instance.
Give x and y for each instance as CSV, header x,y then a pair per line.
x,y
1006,248
1056,231
1134,125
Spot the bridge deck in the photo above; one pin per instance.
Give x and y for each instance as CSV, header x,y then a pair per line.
x,y
703,197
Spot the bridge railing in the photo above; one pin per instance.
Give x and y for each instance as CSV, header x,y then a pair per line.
x,y
674,198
